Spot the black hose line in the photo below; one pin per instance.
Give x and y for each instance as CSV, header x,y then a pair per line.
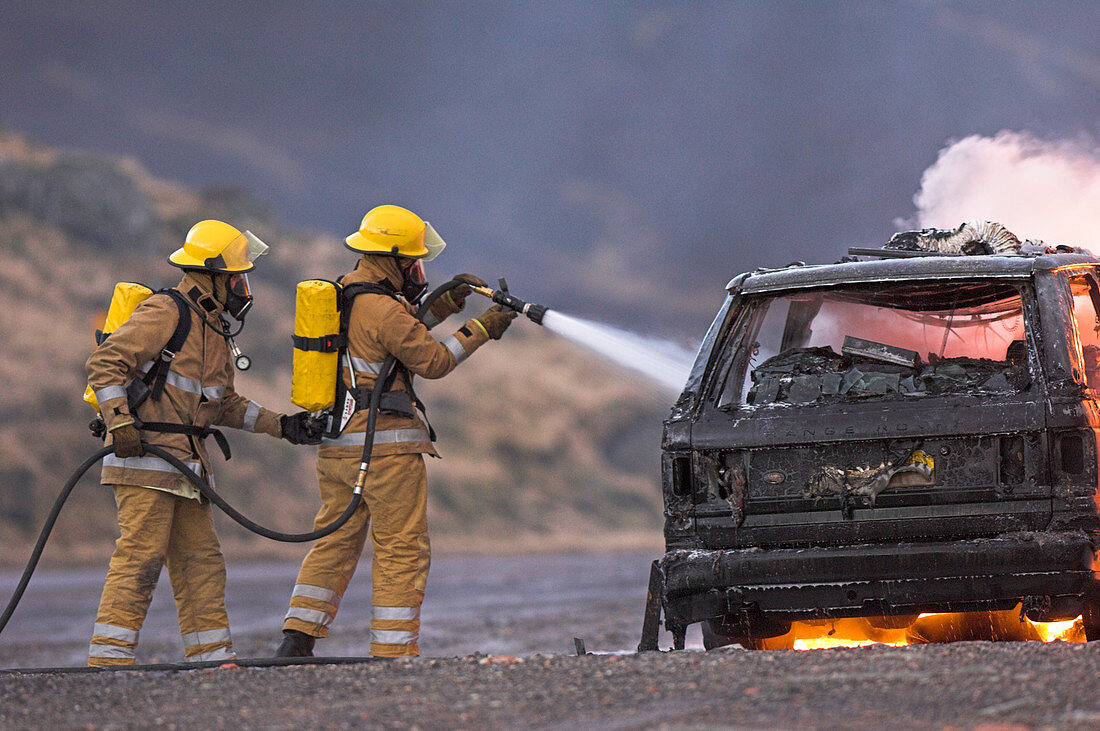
x,y
46,529
208,492
430,298
199,483
247,662
384,374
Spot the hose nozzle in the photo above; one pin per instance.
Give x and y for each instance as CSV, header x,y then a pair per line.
x,y
503,298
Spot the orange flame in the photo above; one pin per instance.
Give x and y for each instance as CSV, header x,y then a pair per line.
x,y
1071,630
1007,625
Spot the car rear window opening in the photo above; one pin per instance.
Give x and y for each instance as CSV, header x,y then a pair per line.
x,y
858,342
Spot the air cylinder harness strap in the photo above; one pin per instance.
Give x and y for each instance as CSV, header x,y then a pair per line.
x,y
397,403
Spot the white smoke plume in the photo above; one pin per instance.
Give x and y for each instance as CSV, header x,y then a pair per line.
x,y
1038,189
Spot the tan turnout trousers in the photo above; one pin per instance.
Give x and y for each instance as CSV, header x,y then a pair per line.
x,y
394,509
159,528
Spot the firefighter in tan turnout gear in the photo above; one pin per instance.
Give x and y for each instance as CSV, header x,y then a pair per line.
x,y
394,242
161,518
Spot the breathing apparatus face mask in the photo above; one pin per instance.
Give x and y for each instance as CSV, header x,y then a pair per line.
x,y
415,282
238,296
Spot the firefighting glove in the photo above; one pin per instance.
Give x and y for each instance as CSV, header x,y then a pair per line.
x,y
126,440
300,428
456,298
496,321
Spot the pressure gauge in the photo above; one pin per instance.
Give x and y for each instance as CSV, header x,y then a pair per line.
x,y
243,361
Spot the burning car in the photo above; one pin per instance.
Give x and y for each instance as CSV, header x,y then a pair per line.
x,y
911,430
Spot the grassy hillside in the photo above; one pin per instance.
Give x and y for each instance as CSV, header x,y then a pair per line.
x,y
544,445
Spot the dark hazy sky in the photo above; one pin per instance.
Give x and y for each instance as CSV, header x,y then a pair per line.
x,y
615,159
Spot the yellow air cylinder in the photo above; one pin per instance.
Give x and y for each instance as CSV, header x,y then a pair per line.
x,y
124,300
316,325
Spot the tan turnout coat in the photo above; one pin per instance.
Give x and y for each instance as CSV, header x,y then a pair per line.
x,y
379,326
198,391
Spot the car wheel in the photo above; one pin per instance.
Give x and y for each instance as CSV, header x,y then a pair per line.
x,y
722,633
716,634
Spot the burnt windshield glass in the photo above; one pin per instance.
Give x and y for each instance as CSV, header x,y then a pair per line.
x,y
893,341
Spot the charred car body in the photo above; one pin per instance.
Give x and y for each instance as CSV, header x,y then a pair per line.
x,y
909,430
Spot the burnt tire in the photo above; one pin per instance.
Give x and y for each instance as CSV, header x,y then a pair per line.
x,y
750,634
715,635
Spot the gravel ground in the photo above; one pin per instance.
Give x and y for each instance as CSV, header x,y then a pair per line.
x,y
499,605
498,644
963,685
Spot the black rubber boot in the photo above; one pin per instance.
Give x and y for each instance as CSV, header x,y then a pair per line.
x,y
295,644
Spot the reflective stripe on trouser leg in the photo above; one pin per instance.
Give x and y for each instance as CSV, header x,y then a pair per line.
x,y
399,533
208,645
112,645
330,564
145,523
314,605
196,568
399,626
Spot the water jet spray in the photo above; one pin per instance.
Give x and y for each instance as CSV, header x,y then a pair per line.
x,y
663,362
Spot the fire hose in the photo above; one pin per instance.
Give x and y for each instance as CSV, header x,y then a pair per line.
x,y
534,312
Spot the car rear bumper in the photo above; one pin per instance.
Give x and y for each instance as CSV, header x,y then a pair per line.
x,y
878,579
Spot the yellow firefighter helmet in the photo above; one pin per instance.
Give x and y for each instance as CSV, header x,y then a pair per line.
x,y
397,231
218,247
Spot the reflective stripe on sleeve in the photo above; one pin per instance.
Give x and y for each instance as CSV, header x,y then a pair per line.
x,y
206,637
250,415
155,464
401,613
112,651
314,616
363,366
393,637
387,436
112,632
455,347
109,392
319,593
218,653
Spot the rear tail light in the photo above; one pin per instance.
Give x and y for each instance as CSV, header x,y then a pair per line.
x,y
1075,456
681,477
1071,449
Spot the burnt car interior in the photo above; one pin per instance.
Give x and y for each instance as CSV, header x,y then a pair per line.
x,y
896,341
